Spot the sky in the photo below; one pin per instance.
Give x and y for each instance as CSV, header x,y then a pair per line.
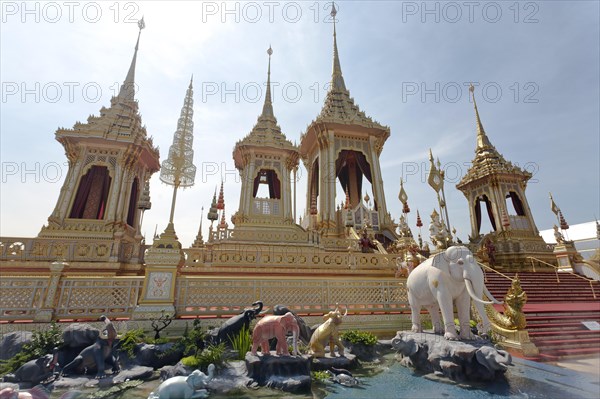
x,y
407,64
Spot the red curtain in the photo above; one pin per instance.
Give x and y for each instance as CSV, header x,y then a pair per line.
x,y
490,212
314,187
104,197
272,181
516,201
274,185
132,203
92,195
478,214
85,186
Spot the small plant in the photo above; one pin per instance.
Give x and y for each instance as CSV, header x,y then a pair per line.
x,y
42,343
192,341
242,342
359,337
191,361
319,376
427,325
213,354
302,349
129,341
472,326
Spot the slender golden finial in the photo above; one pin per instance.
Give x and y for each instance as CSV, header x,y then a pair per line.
x,y
337,80
268,105
127,90
482,139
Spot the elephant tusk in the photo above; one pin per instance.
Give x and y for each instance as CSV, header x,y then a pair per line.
x,y
491,297
472,293
346,312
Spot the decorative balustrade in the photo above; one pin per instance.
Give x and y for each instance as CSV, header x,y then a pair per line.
x,y
208,296
93,297
266,206
51,249
89,297
21,296
297,258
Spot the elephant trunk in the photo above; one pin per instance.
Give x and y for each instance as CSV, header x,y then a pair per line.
x,y
472,293
295,334
259,307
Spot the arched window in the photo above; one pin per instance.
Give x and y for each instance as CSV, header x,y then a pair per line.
x,y
517,205
133,200
488,206
91,199
269,178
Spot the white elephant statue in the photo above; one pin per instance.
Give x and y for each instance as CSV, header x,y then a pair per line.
x,y
185,387
449,277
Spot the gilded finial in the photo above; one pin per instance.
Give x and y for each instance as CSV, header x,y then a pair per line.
x,y
337,80
482,139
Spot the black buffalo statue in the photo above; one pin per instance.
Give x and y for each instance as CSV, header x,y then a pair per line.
x,y
234,325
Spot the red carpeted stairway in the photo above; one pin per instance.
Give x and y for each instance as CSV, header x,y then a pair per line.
x,y
555,312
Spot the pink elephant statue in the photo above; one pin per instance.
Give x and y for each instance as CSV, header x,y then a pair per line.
x,y
275,327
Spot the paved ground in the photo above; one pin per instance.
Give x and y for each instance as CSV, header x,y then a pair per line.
x,y
587,365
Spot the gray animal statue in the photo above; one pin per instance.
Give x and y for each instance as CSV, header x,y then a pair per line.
x,y
234,325
97,355
305,331
192,386
35,371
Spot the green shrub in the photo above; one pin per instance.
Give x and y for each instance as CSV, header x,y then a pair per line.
x,y
130,339
302,349
192,340
319,376
191,361
213,354
42,343
359,337
242,342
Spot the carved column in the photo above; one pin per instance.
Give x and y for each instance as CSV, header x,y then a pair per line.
x,y
48,304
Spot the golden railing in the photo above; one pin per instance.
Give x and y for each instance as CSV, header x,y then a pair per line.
x,y
556,269
493,270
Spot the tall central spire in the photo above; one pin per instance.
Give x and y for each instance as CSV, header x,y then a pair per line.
x,y
268,105
127,91
337,80
482,139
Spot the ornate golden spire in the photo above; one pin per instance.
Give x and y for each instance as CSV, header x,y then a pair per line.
x,y
337,80
268,105
266,132
482,139
127,91
339,107
487,159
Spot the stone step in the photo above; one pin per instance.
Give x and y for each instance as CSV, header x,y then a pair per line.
x,y
571,335
556,327
549,344
558,354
